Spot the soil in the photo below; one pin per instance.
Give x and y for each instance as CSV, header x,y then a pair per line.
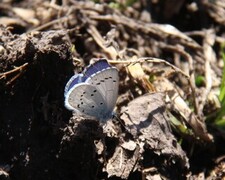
x,y
162,127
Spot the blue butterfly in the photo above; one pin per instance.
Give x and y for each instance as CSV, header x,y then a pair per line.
x,y
93,92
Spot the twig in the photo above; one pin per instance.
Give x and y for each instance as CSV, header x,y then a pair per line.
x,y
191,80
20,68
100,41
209,58
154,29
3,75
51,23
152,60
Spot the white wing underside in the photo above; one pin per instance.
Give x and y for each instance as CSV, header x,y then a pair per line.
x,y
86,99
107,82
96,96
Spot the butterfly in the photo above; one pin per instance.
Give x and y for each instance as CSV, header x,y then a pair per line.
x,y
93,92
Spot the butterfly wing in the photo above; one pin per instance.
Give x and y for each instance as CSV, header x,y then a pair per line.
x,y
86,99
99,65
107,82
75,79
95,91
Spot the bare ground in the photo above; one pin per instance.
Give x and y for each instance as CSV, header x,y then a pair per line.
x,y
43,43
